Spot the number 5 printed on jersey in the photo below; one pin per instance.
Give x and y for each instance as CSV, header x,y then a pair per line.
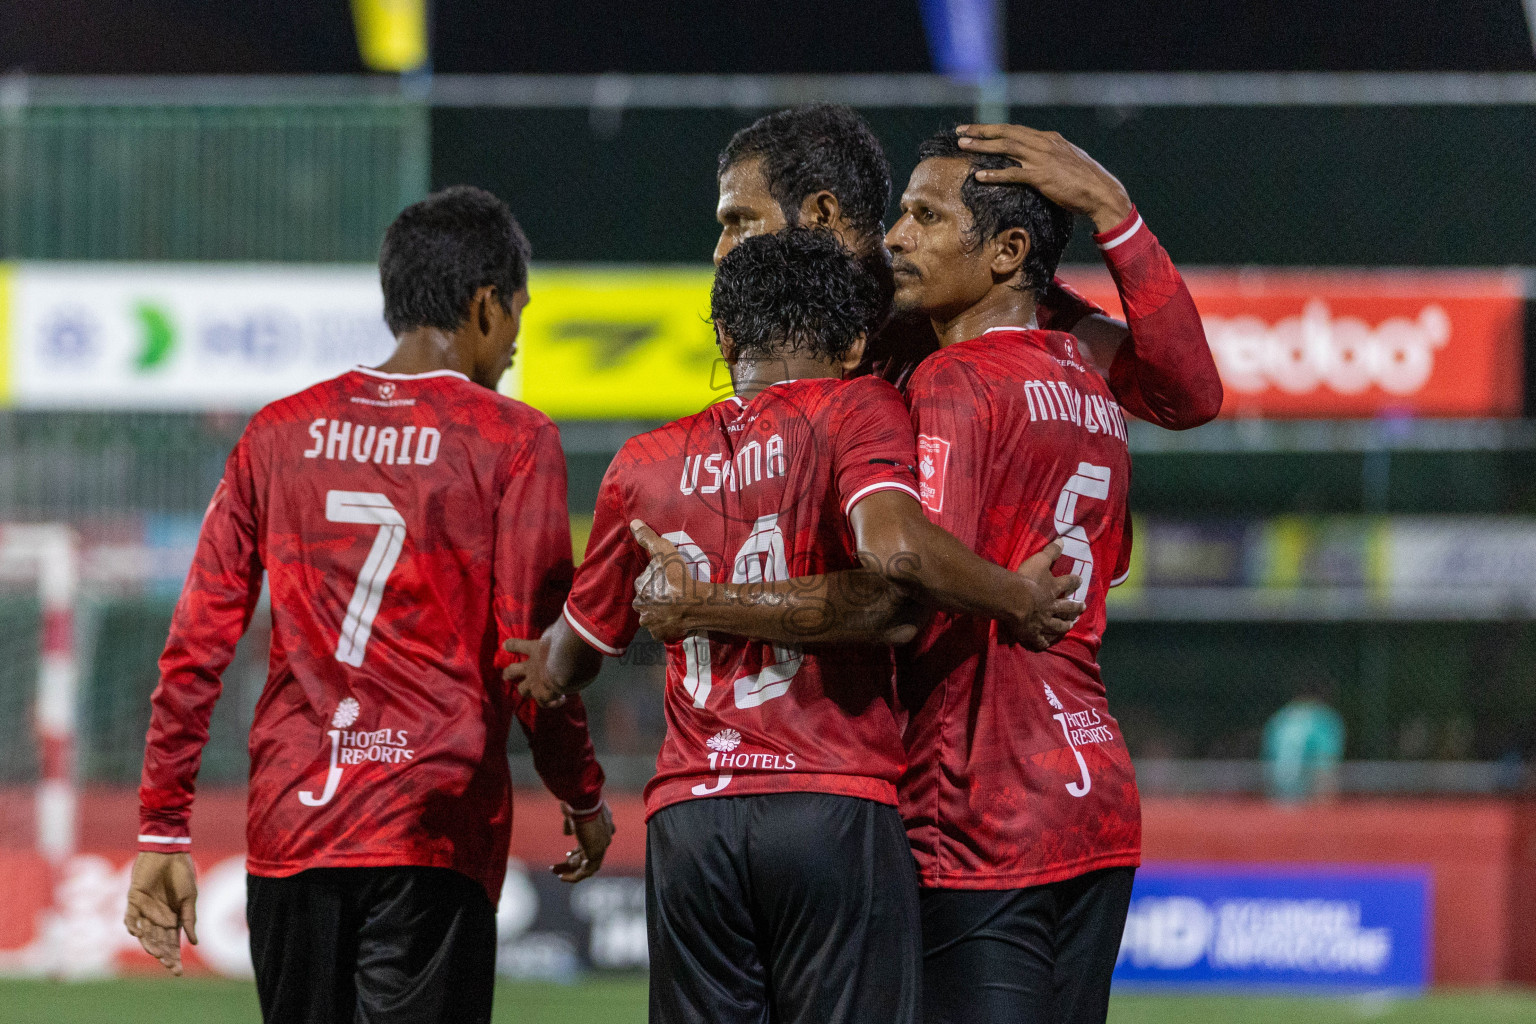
x,y
1089,481
369,508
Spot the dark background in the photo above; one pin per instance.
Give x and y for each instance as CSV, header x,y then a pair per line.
x,y
768,36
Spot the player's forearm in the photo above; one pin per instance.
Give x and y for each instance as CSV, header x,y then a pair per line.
x,y
944,573
180,709
563,755
211,616
570,663
852,606
1164,373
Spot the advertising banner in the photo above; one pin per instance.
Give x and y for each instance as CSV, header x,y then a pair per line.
x,y
596,343
1279,927
616,342
1351,343
104,336
67,920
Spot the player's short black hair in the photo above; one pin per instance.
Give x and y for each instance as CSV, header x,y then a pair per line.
x,y
996,208
795,291
819,146
442,250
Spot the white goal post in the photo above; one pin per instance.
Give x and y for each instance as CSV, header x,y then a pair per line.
x,y
49,554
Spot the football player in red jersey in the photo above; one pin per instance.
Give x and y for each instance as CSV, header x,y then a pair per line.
x,y
1020,800
779,882
821,166
407,519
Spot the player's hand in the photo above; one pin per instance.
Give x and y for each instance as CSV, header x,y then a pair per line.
x,y
162,903
665,592
1063,173
592,839
530,675
1054,611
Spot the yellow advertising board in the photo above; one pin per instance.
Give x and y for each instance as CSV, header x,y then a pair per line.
x,y
618,343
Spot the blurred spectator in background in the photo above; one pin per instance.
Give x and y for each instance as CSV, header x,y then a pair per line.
x,y
1303,743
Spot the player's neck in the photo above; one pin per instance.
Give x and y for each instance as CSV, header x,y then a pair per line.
x,y
425,350
750,376
1003,306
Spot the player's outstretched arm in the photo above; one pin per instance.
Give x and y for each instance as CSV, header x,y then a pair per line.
x,y
909,550
162,903
1158,363
852,606
909,563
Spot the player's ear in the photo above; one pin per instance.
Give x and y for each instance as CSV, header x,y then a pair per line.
x,y
855,354
724,343
1011,247
485,306
821,210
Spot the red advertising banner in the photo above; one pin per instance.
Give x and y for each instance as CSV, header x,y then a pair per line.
x,y
1343,344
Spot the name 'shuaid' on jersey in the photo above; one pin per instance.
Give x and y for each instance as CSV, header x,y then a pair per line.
x,y
719,471
341,440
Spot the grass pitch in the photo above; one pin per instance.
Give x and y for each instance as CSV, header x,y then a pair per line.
x,y
622,1001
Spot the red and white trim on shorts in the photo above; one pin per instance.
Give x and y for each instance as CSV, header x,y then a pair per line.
x,y
880,485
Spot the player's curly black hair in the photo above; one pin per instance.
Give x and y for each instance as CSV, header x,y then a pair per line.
x,y
814,147
440,251
795,291
995,208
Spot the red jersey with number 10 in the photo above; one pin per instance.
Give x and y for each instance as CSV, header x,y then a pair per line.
x,y
757,491
1019,774
406,525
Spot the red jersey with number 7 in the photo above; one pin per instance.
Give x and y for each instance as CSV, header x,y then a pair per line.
x,y
406,524
749,492
1018,773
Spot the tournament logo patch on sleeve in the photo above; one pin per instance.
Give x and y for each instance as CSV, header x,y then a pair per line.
x,y
932,464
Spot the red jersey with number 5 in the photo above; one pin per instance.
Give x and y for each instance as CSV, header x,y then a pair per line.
x,y
757,491
406,525
1018,773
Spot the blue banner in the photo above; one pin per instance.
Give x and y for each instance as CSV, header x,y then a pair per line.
x,y
963,37
1277,927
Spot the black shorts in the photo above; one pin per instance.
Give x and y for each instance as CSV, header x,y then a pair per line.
x,y
790,908
1042,955
372,945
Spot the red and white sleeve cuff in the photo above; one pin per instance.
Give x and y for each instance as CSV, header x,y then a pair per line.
x,y
879,485
166,844
582,815
574,619
1122,232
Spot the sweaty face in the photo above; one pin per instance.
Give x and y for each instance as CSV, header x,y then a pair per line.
x,y
745,208
499,344
938,273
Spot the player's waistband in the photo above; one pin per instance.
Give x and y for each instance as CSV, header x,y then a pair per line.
x,y
665,792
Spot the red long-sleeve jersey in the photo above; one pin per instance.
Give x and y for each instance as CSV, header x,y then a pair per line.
x,y
1164,373
406,524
